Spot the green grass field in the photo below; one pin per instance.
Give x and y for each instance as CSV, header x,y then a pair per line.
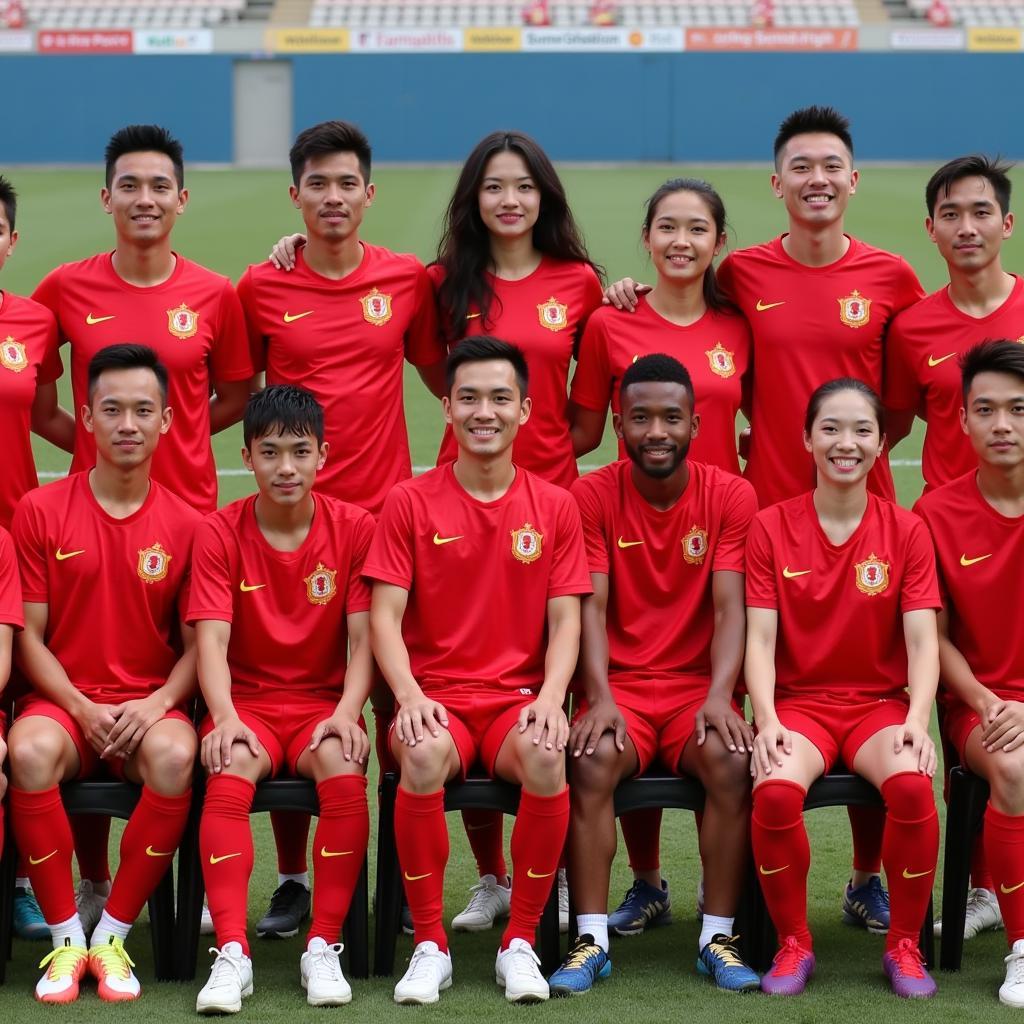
x,y
232,219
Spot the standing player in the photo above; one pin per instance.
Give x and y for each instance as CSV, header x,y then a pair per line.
x,y
861,690
277,598
661,652
104,563
478,567
977,523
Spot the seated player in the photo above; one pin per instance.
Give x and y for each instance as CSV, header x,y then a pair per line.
x,y
277,597
12,617
977,523
104,556
478,567
842,663
661,652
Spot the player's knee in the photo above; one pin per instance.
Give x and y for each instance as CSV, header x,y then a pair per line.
x,y
778,802
169,759
597,772
1006,775
724,773
425,760
35,753
908,796
539,763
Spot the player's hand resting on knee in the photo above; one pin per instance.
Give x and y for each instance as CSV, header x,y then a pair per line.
x,y
355,745
770,743
547,717
915,735
96,721
134,719
215,751
718,714
1003,722
419,714
599,718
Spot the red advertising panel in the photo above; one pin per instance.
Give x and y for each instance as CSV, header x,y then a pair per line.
x,y
59,41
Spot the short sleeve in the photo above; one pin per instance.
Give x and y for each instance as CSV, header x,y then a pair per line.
x,y
762,591
391,558
50,366
257,339
592,382
595,541
28,530
423,345
12,613
919,587
211,591
901,389
569,573
908,287
738,511
357,598
230,359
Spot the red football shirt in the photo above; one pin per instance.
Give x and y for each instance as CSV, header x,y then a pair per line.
x,y
12,612
346,341
980,553
811,325
840,606
194,324
543,314
113,586
923,374
28,358
715,349
661,615
479,575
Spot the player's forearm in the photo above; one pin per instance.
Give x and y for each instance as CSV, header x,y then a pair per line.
x,y
593,657
47,675
393,660
358,677
759,671
561,656
727,643
181,681
922,664
957,677
55,425
586,428
433,377
228,404
898,424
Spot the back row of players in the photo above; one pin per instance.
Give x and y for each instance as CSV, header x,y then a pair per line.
x,y
511,262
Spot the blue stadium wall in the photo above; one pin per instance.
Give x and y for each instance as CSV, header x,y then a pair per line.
x,y
686,107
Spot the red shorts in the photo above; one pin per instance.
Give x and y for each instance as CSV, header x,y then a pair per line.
x,y
837,729
284,730
89,761
958,723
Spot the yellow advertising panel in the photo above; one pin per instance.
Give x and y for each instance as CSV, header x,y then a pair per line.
x,y
307,40
994,40
492,40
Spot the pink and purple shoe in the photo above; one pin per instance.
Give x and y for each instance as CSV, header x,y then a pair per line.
x,y
790,971
904,967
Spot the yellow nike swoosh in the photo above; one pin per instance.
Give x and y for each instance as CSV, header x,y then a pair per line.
x,y
90,319
445,540
1007,890
416,878
61,555
530,873
247,588
762,305
915,874
290,318
772,871
150,852
324,852
629,543
791,574
965,561
472,316
932,361
227,856
39,860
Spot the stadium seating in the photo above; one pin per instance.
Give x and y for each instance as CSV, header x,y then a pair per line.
x,y
116,14
983,13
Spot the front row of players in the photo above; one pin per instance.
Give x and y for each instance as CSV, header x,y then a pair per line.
x,y
482,582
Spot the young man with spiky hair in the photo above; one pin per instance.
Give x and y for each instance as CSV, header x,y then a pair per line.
x,y
977,524
104,557
478,567
277,598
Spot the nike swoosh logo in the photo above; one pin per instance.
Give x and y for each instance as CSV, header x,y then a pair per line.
x,y
227,856
477,828
290,318
530,873
772,871
39,860
61,555
629,543
416,878
324,852
932,361
762,305
90,319
791,574
445,540
915,874
965,561
472,316
247,588
1007,890
150,852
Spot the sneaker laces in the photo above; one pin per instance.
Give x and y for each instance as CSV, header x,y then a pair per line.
x,y
789,957
978,899
524,957
481,896
580,953
325,963
114,957
62,961
725,946
420,964
632,892
1015,968
224,966
907,958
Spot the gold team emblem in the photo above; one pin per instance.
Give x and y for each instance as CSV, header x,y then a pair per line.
x,y
13,355
553,315
320,585
182,322
153,563
872,575
855,310
376,308
720,360
695,545
527,543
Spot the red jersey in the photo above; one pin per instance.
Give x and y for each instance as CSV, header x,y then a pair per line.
x,y
28,358
479,575
715,350
194,324
840,607
980,553
113,586
811,325
287,609
346,341
12,612
543,314
661,615
923,374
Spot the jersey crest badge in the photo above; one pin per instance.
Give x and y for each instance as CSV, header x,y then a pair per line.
x,y
154,562
376,308
872,575
553,315
527,543
695,545
13,355
320,585
720,360
182,322
855,310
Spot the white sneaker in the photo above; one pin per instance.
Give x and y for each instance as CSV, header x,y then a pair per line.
x,y
1011,992
489,902
518,970
563,902
983,914
320,971
206,921
230,981
428,974
90,905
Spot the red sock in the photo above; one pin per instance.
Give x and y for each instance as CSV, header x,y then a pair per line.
x,y
1004,845
867,827
421,835
225,845
910,851
485,831
339,846
43,832
150,838
641,831
291,837
92,836
783,856
981,877
538,838
381,721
